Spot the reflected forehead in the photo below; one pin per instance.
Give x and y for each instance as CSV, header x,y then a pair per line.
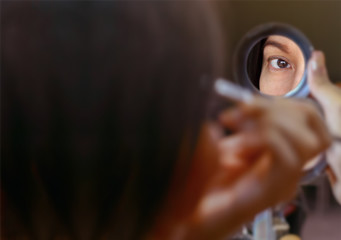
x,y
283,43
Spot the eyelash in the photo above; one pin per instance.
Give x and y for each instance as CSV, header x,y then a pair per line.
x,y
274,60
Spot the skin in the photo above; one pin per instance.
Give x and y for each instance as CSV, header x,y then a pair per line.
x,y
283,66
233,178
329,97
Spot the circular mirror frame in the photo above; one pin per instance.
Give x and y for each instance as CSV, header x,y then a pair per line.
x,y
263,31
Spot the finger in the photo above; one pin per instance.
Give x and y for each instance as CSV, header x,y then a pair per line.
x,y
318,79
244,145
326,93
333,159
317,69
312,136
244,115
336,184
237,155
331,175
318,124
273,172
284,153
276,147
302,140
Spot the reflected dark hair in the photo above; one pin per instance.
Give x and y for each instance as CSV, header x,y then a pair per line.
x,y
96,98
255,62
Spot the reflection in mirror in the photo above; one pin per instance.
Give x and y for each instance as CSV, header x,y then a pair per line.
x,y
276,65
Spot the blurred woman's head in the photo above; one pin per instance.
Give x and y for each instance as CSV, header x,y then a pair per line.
x,y
97,99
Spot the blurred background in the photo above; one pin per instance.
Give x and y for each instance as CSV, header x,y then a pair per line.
x,y
319,20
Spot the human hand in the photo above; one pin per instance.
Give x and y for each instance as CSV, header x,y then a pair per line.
x,y
256,168
329,97
274,141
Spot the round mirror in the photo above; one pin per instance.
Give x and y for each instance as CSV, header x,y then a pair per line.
x,y
275,65
271,60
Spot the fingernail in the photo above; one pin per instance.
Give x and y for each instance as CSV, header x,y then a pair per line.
x,y
314,65
317,61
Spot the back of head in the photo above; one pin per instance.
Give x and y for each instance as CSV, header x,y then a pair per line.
x,y
97,98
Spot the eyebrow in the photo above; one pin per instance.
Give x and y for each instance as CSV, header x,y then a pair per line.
x,y
278,45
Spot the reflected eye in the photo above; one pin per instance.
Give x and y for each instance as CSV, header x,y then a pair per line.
x,y
279,63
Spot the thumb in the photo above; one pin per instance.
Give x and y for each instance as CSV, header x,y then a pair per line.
x,y
318,79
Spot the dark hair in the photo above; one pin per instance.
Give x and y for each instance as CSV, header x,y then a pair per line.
x,y
255,62
96,100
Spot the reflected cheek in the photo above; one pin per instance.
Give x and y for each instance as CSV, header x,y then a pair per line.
x,y
275,83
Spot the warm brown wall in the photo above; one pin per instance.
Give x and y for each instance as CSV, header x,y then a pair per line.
x,y
319,20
